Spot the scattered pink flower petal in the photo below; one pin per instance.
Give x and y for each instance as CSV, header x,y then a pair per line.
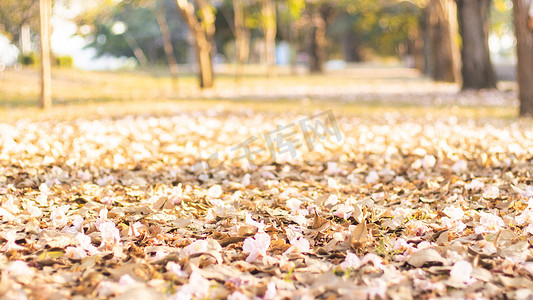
x,y
351,262
256,246
489,223
75,253
214,192
33,210
197,287
19,268
110,234
491,192
11,237
175,269
198,246
58,217
454,212
474,185
260,225
293,204
374,259
85,243
343,211
238,296
127,280
461,272
271,291
299,244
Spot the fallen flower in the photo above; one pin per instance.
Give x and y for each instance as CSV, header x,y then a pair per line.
x,y
525,218
256,246
214,192
294,205
271,291
461,272
248,220
197,287
489,223
58,217
454,213
76,253
528,229
198,246
175,269
372,177
85,243
299,244
126,280
491,192
371,257
33,210
19,268
460,166
238,296
11,237
110,234
474,185
350,262
343,211
133,229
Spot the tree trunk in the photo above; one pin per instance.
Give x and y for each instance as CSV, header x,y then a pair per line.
x,y
269,26
442,49
351,46
167,40
45,10
477,71
242,37
316,48
418,50
203,29
524,48
320,17
137,51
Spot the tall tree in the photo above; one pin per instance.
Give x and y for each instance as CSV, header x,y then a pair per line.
x,y
167,39
269,28
45,11
477,71
320,15
201,22
524,48
442,50
242,36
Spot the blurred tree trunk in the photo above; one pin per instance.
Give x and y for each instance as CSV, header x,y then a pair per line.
x,y
524,48
442,37
137,51
242,37
269,27
45,10
320,16
167,39
418,49
351,46
477,71
201,22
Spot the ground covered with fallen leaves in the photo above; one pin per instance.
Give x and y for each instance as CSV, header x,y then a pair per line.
x,y
404,206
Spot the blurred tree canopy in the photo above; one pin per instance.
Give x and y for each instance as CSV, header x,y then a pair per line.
x,y
16,13
131,29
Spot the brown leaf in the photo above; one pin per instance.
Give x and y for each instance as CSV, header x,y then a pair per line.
x,y
425,257
359,235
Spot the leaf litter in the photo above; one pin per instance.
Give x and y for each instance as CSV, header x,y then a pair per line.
x,y
405,207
